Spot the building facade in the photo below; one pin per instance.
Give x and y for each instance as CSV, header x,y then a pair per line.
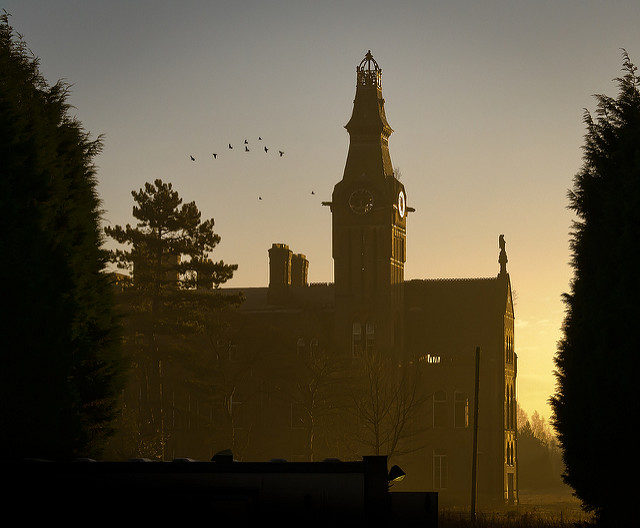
x,y
436,324
286,365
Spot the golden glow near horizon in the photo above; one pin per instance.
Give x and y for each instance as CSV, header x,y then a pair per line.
x,y
485,99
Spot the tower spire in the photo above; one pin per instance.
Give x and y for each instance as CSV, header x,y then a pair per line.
x,y
368,127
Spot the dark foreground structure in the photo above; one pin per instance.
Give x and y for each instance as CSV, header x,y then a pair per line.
x,y
291,492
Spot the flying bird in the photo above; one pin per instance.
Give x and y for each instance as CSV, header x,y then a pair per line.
x,y
215,156
192,158
259,138
230,146
266,149
281,153
246,149
246,142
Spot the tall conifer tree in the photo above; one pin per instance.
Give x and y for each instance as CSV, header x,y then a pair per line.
x,y
173,297
596,404
59,353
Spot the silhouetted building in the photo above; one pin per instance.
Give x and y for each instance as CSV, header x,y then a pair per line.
x,y
436,322
433,323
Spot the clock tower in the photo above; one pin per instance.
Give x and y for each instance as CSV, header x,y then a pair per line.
x,y
369,213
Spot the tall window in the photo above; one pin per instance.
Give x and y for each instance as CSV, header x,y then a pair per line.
x,y
300,346
356,339
313,346
506,349
461,409
371,336
509,348
513,408
507,421
440,470
440,409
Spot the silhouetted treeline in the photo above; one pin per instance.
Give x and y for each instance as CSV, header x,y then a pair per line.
x,y
60,359
539,458
597,361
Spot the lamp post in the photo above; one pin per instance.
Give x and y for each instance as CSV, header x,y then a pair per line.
x,y
474,468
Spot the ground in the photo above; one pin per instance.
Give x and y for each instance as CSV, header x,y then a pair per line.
x,y
537,509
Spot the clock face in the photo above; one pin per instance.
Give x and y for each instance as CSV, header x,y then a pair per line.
x,y
402,204
361,201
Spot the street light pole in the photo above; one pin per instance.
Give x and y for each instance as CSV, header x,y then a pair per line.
x,y
474,468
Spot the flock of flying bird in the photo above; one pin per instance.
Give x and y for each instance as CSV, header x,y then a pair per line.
x,y
246,149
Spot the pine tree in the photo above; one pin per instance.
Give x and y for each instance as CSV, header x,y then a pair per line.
x,y
172,301
60,352
596,404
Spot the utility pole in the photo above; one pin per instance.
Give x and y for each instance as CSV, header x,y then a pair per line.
x,y
474,468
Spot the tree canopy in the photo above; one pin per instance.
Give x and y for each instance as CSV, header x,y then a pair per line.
x,y
597,358
60,353
171,312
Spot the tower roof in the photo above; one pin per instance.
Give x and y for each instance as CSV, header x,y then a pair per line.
x,y
368,127
368,73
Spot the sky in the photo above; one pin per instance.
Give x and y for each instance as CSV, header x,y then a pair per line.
x,y
486,100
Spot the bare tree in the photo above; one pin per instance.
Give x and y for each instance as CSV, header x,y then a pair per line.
x,y
314,385
387,399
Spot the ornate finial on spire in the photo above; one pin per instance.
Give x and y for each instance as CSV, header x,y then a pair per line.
x,y
502,259
368,72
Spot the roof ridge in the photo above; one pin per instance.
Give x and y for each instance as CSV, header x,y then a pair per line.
x,y
455,279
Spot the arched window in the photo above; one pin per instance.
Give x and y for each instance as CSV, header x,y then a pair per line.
x,y
513,407
507,409
506,349
510,349
461,409
371,336
356,339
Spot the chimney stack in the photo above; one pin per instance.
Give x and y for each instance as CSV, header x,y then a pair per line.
x,y
299,271
279,273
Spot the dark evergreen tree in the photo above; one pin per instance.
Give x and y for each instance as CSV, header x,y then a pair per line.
x,y
596,404
60,358
172,306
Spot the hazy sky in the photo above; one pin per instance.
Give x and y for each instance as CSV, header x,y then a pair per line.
x,y
486,99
